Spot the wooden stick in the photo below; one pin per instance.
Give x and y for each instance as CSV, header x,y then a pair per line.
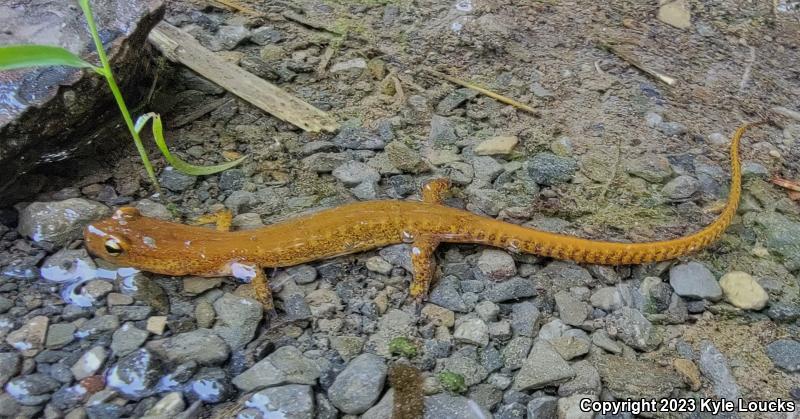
x,y
669,81
179,46
485,91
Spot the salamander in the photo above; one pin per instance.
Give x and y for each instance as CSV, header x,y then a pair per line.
x,y
128,238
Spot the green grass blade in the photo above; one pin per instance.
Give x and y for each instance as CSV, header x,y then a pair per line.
x,y
13,57
178,164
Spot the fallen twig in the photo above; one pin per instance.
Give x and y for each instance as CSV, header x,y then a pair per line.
x,y
235,5
747,70
791,185
485,91
634,62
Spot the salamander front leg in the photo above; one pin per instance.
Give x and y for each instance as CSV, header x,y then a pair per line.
x,y
434,191
424,266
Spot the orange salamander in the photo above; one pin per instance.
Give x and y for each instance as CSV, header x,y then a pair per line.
x,y
128,238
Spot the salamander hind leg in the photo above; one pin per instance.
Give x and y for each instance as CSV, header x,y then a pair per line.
x,y
424,266
434,191
258,280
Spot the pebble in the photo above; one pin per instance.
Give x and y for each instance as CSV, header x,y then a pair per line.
x,y
441,130
156,324
496,264
168,406
59,222
525,319
201,345
672,129
500,145
286,365
634,329
571,311
117,299
323,302
570,347
586,381
195,285
30,338
348,347
237,319
782,237
152,209
379,265
60,335
176,181
293,401
676,13
447,294
743,291
550,169
466,366
353,173
98,326
302,274
487,311
210,385
681,187
455,99
405,158
89,363
445,405
715,367
601,339
359,385
543,367
516,351
135,375
10,364
785,354
439,316
357,138
512,289
543,407
694,280
32,390
511,411
127,339
486,168
126,313
689,371
204,314
473,331
652,168
607,299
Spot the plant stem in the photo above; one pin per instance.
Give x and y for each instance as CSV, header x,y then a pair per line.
x,y
112,84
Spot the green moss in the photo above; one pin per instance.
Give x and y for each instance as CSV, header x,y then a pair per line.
x,y
403,346
452,382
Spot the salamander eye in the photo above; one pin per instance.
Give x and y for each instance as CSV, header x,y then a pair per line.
x,y
112,247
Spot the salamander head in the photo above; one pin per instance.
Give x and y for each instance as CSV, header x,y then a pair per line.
x,y
129,239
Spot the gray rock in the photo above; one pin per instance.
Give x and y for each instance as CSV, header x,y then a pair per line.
x,y
442,130
33,389
201,345
358,138
473,331
131,313
210,385
293,401
490,358
487,311
625,378
353,173
286,365
672,128
783,312
266,35
485,395
607,299
296,308
586,381
571,310
512,289
60,335
237,319
89,363
681,187
98,325
525,319
544,367
382,410
496,264
472,371
785,354
694,280
5,304
783,237
550,169
553,329
634,329
455,99
652,168
135,375
176,181
10,364
511,411
448,406
751,169
227,37
446,294
486,168
601,339
543,407
354,66
127,339
366,191
359,385
59,222
392,324
653,119
570,347
240,201
398,255
715,367
516,351
325,162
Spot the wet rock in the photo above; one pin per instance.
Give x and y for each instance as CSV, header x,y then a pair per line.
x,y
30,338
681,187
59,222
543,407
473,331
98,326
237,319
127,339
210,385
135,375
32,390
785,354
544,367
146,290
513,289
571,310
525,319
496,264
357,138
60,335
743,291
292,401
449,406
632,378
694,280
715,367
360,384
10,364
176,181
634,329
284,366
89,363
550,169
651,167
201,345
353,173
